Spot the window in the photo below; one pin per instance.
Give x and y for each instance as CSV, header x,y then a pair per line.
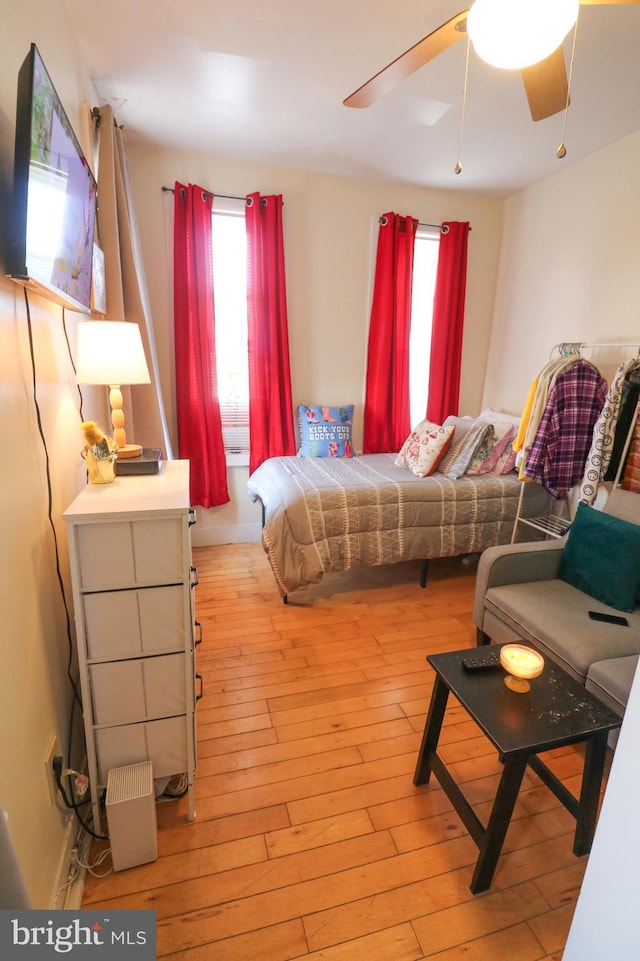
x,y
425,265
229,265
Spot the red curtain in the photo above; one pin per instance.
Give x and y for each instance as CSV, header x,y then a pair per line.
x,y
270,406
448,322
198,409
386,407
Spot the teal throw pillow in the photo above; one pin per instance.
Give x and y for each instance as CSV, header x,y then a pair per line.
x,y
602,558
325,431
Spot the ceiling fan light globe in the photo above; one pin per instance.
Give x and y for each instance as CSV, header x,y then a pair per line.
x,y
512,34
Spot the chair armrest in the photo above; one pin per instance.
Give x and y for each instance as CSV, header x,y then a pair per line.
x,y
515,564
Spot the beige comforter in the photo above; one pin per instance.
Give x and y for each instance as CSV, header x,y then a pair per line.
x,y
323,515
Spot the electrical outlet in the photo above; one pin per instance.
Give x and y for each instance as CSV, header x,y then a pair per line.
x,y
53,750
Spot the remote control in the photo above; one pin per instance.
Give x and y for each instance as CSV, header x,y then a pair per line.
x,y
608,618
482,660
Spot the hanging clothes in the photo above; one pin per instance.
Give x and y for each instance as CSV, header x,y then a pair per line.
x,y
563,438
535,403
611,429
628,408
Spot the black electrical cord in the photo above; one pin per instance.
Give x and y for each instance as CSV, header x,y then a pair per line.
x,y
63,593
74,805
76,695
66,337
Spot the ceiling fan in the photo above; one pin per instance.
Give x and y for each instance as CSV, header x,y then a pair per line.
x,y
545,79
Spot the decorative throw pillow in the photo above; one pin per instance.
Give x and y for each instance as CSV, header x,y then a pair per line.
x,y
424,448
602,558
507,460
469,434
325,431
483,452
497,456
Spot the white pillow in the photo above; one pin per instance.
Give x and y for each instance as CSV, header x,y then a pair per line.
x,y
499,417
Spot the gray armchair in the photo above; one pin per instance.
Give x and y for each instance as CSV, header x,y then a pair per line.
x,y
518,596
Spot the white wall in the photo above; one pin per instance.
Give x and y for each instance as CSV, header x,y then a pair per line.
x,y
35,693
330,237
568,269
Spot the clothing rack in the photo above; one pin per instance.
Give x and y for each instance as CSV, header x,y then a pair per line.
x,y
556,525
568,347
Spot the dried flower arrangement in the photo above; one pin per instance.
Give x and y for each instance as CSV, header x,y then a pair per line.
x,y
100,453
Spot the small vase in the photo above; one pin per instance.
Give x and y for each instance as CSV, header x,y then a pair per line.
x,y
101,470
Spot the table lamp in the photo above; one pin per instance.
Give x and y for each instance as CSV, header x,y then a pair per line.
x,y
110,352
521,664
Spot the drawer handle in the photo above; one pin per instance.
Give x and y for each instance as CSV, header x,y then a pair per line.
x,y
198,627
193,517
194,577
199,678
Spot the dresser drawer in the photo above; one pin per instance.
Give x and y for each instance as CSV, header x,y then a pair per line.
x,y
162,742
130,553
135,690
126,623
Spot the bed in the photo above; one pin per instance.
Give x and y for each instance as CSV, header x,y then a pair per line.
x,y
327,514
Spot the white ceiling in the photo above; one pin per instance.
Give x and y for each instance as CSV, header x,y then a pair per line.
x,y
264,80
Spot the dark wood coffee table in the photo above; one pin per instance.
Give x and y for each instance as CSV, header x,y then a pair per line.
x,y
556,711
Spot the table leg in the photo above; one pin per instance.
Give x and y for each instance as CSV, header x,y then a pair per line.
x,y
431,732
499,820
594,760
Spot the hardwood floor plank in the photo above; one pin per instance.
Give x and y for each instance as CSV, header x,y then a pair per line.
x,y
404,901
316,834
484,915
516,943
393,944
552,928
278,942
178,834
310,840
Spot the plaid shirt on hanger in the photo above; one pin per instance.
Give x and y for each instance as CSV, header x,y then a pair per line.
x,y
563,439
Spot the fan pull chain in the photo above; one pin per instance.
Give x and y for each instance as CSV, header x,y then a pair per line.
x,y
561,152
458,166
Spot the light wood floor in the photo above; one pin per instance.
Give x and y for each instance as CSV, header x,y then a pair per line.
x,y
310,840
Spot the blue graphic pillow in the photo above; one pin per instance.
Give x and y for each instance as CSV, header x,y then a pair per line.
x,y
325,431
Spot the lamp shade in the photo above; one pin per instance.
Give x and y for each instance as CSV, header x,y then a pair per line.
x,y
512,34
110,352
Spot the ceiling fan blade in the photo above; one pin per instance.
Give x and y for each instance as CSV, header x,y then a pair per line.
x,y
408,62
546,86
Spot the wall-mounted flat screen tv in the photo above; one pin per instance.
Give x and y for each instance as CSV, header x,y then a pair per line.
x,y
50,242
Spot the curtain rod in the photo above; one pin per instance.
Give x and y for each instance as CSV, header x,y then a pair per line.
x,y
222,196
443,227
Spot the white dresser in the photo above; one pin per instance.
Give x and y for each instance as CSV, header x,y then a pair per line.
x,y
133,594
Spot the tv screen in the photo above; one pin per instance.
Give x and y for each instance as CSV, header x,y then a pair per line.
x,y
50,244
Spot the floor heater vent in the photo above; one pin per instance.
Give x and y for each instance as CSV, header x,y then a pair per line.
x,y
131,815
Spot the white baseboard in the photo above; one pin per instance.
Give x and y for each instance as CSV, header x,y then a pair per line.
x,y
70,877
203,536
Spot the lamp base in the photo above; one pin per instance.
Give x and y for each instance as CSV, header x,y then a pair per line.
x,y
129,450
518,684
